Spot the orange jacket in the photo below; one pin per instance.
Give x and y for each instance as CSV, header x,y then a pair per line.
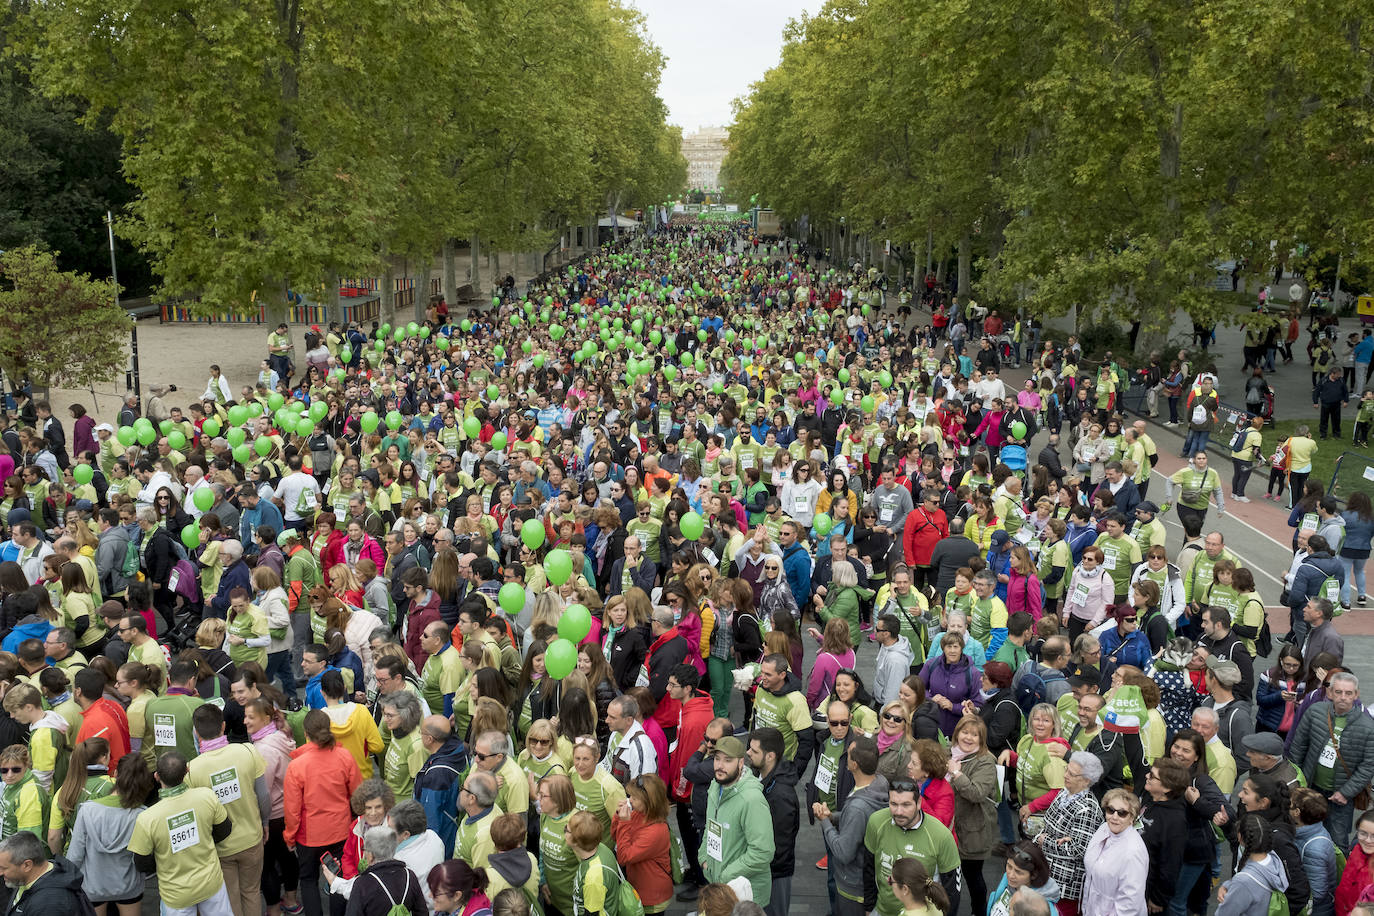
x,y
318,785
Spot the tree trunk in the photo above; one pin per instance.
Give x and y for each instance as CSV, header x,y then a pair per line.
x,y
965,264
450,272
475,252
388,291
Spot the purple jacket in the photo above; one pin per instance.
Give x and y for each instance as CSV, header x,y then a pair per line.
x,y
961,682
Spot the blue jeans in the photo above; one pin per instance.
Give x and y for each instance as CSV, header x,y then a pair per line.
x,y
1006,822
1354,572
1339,819
1196,442
279,668
1187,877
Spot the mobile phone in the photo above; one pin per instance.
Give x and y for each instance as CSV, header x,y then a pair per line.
x,y
331,863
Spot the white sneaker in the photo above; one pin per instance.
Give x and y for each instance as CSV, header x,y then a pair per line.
x,y
1240,499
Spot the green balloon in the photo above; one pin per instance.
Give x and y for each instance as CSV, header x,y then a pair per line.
x,y
177,440
379,345
498,441
203,499
574,625
511,598
441,343
126,436
669,371
499,352
822,523
369,421
1018,430
275,401
394,419
532,534
305,427
885,379
318,411
236,436
558,566
701,335
346,354
473,427
493,392
867,403
147,435
83,473
527,346
844,376
165,427
656,337
190,536
238,415
560,659
210,427
691,526
399,335
242,453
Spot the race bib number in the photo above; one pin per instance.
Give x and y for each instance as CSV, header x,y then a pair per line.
x,y
715,841
801,505
746,460
164,730
885,515
1309,522
1024,535
1080,595
825,775
182,831
1109,559
226,785
642,680
173,579
1328,757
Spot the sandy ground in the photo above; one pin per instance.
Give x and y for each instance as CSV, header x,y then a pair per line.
x,y
181,354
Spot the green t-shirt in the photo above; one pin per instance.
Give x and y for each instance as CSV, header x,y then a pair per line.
x,y
176,832
441,677
929,842
230,772
600,795
557,861
1325,777
170,720
402,761
1059,555
1119,557
248,624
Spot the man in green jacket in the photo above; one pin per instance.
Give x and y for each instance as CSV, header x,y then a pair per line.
x,y
738,841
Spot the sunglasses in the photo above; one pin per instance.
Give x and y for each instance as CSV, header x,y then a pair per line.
x,y
541,741
901,785
481,756
1119,812
9,770
893,717
585,741
836,722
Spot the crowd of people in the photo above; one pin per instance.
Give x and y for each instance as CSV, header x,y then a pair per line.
x,y
559,608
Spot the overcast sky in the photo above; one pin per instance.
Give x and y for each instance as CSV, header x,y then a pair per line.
x,y
715,49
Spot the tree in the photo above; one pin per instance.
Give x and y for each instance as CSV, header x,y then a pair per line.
x,y
58,328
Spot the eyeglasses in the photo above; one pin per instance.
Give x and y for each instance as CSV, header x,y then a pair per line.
x,y
1128,620
838,722
1365,835
901,785
8,770
481,756
1125,812
893,717
541,741
584,741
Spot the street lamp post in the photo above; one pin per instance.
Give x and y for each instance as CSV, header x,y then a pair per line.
x,y
132,379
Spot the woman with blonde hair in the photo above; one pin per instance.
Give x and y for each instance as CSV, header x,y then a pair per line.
x,y
345,585
357,626
548,609
88,777
545,752
894,740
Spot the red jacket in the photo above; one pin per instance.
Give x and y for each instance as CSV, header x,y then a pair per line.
x,y
416,620
1355,882
106,719
332,554
693,717
644,852
315,792
921,533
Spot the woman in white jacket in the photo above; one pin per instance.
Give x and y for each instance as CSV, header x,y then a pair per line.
x,y
1116,861
799,494
271,600
1161,572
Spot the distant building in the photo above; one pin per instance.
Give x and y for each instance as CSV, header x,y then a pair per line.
x,y
705,150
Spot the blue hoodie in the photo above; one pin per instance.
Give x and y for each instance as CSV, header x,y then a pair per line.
x,y
314,696
27,629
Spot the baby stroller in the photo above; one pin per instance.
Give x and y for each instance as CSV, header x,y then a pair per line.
x,y
1014,457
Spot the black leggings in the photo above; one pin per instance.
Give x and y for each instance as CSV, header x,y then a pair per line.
x,y
308,863
977,887
280,870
